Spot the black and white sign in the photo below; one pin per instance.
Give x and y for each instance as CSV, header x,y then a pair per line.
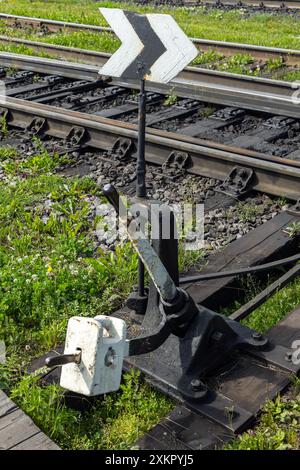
x,y
153,46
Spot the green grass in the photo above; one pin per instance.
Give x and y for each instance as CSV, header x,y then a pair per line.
x,y
247,212
22,49
37,164
278,428
115,422
239,63
275,308
262,29
207,58
104,42
274,64
49,272
291,76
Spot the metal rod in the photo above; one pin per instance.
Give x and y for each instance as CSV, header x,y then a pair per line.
x,y
141,285
63,359
141,163
253,304
238,272
141,173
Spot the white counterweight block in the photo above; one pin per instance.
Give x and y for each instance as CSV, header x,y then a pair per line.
x,y
102,342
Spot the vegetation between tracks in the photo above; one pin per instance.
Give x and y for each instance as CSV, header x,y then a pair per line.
x,y
262,29
237,26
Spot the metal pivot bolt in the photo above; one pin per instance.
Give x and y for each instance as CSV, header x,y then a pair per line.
x,y
257,336
198,388
289,356
110,357
197,385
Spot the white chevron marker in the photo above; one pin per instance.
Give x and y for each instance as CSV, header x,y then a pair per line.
x,y
180,49
153,46
131,44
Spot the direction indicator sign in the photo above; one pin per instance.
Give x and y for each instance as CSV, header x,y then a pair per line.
x,y
153,46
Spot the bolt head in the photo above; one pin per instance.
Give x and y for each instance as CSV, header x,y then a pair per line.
x,y
257,336
289,356
197,385
217,336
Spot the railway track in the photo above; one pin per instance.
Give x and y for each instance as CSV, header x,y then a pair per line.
x,y
257,93
264,4
99,108
289,56
244,152
251,4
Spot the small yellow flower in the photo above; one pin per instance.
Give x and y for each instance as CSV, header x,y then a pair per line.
x,y
50,269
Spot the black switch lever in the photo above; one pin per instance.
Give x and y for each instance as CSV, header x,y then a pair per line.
x,y
112,196
178,305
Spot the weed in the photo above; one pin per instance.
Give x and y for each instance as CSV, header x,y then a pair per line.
x,y
170,100
237,64
41,162
189,258
208,57
3,126
293,76
7,153
45,406
293,230
206,111
274,64
278,427
248,212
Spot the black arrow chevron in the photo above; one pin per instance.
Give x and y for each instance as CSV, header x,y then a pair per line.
x,y
153,46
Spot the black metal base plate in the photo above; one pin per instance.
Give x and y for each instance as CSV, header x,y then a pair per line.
x,y
247,381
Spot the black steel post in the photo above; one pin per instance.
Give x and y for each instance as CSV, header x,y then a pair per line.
x,y
141,172
141,164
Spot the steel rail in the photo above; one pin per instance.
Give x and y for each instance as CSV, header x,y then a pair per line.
x,y
273,4
289,56
63,52
246,309
253,93
272,176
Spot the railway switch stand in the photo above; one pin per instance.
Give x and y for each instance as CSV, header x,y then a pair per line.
x,y
189,340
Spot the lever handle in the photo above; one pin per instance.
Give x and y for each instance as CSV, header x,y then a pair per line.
x,y
112,196
62,359
156,269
